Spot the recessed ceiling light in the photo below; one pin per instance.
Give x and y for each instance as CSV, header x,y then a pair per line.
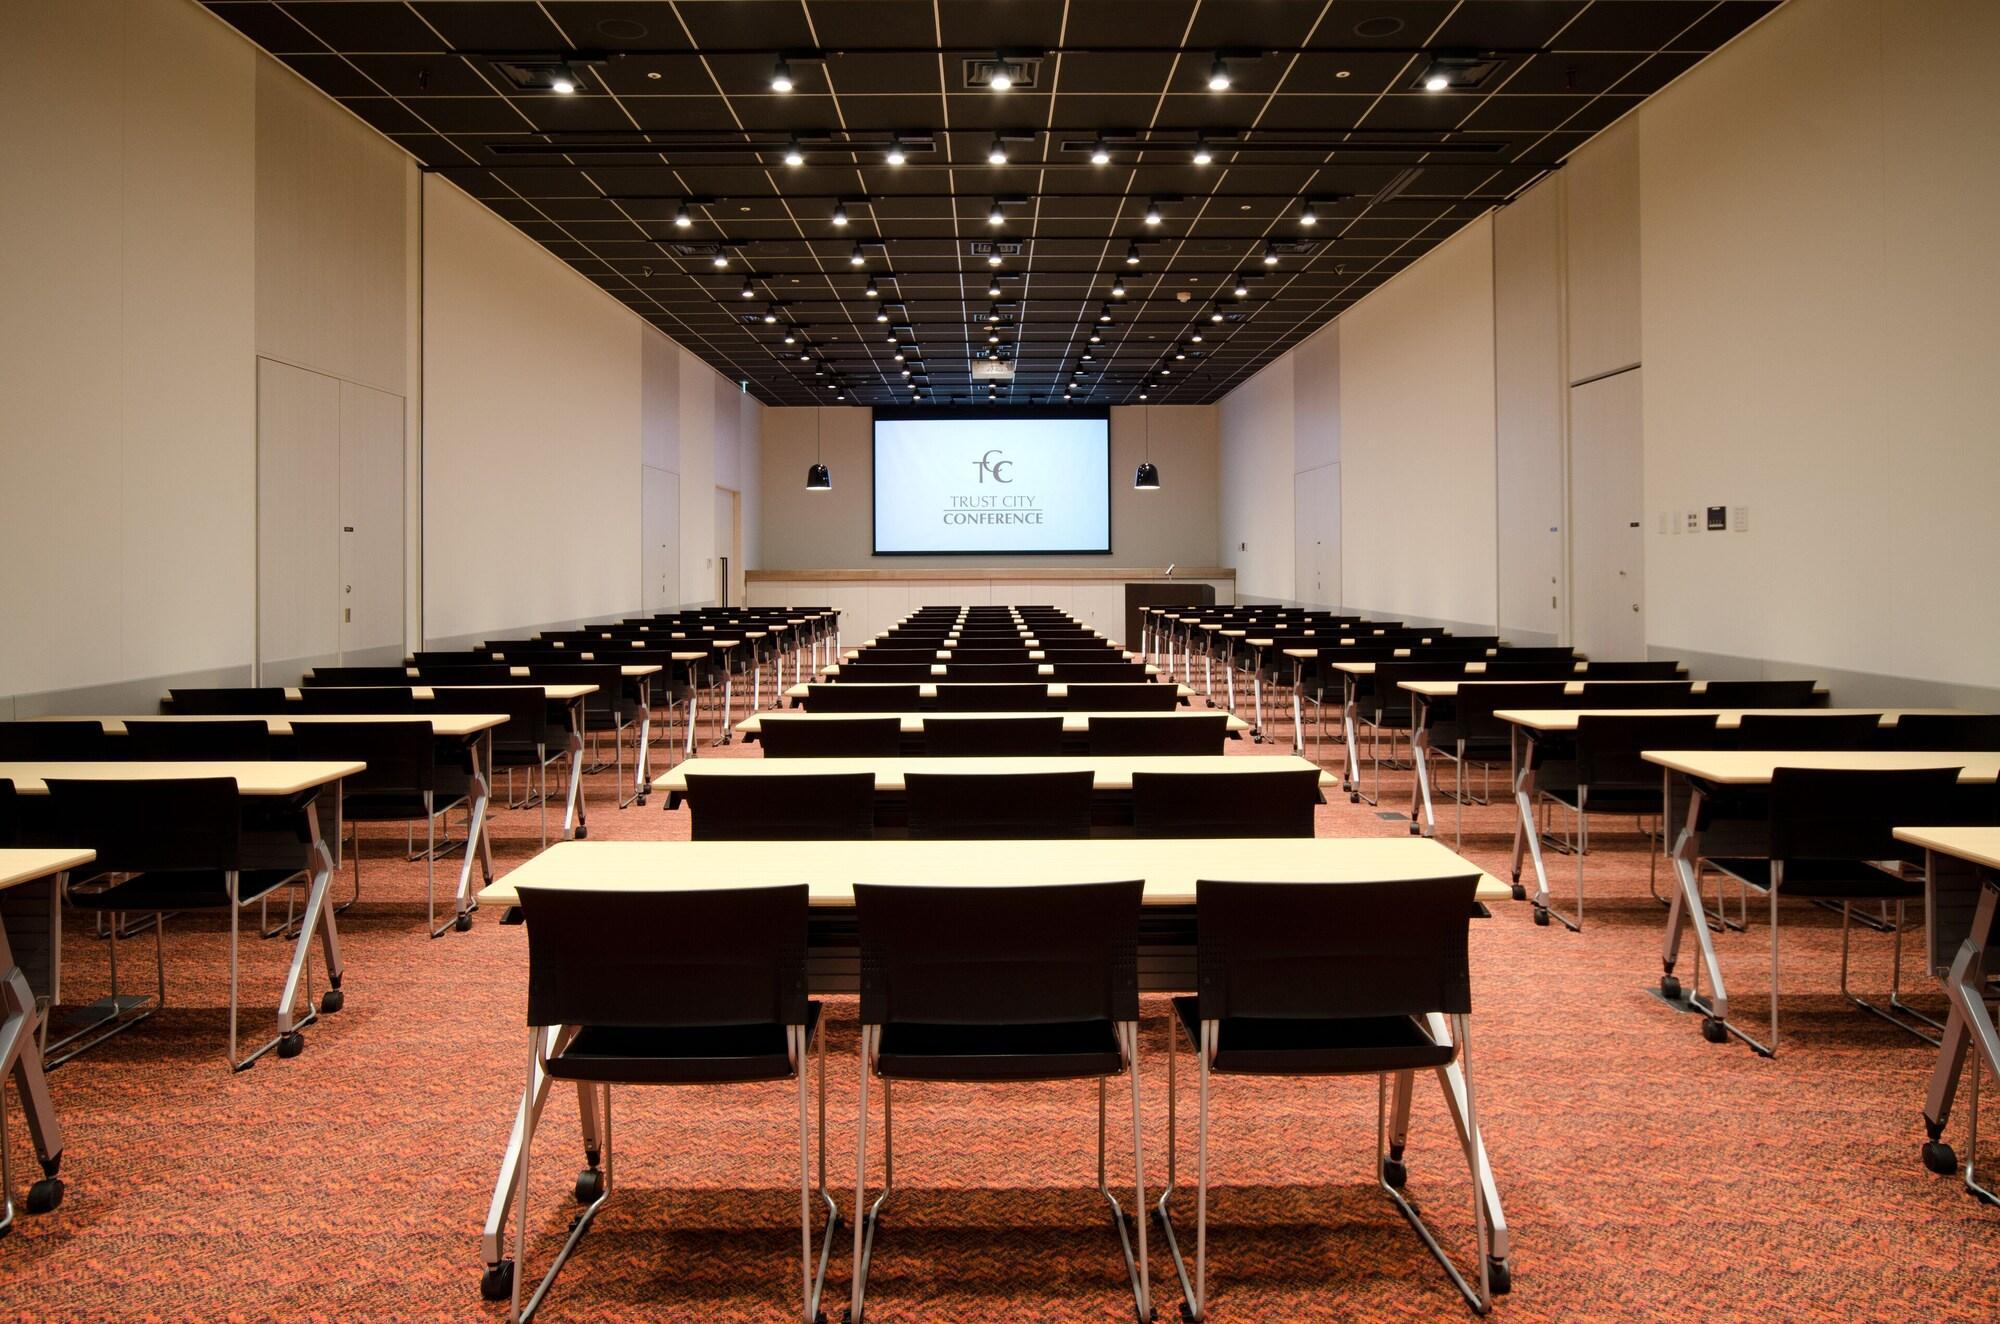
x,y
1100,154
653,74
682,217
1340,73
781,77
1218,76
997,153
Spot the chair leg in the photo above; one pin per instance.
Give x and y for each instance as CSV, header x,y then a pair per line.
x,y
1897,1010
1392,1176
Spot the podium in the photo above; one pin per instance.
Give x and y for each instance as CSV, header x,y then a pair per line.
x,y
1161,593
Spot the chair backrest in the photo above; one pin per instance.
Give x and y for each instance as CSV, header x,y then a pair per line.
x,y
225,701
993,737
1033,954
1668,670
1637,694
401,756
843,738
155,823
1333,951
10,815
1953,731
488,673
224,738
816,806
1225,804
526,707
351,676
1015,697
1844,814
972,805
1472,708
863,698
1760,694
1015,673
708,956
893,672
1128,672
1159,733
1536,654
1122,696
56,742
985,655
460,657
1608,748
1807,730
360,699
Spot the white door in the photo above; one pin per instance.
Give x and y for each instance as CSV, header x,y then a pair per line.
x,y
298,537
660,538
1606,521
1316,529
371,525
728,561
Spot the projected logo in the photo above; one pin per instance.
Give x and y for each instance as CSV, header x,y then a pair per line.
x,y
993,507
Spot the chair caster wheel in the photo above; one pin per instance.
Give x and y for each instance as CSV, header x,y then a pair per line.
x,y
1520,892
44,1195
1396,1172
497,1283
1187,1314
463,923
1354,797
1499,1276
1541,917
1670,988
582,832
589,1185
1714,1030
331,1001
1415,828
1940,1158
512,915
291,1045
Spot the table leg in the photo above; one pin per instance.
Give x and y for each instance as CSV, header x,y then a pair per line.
x,y
1298,706
1687,906
1349,703
1967,1025
21,1058
316,919
475,829
1420,784
1524,807
1229,670
574,825
641,773
1257,696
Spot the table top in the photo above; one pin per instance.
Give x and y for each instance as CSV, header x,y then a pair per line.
x,y
253,777
1980,845
556,693
1169,866
1058,689
1753,767
649,669
1564,719
25,866
457,725
1109,772
1041,668
1444,689
1074,722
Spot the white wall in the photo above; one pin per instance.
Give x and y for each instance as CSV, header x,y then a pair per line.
x,y
1257,422
127,334
1416,438
1530,387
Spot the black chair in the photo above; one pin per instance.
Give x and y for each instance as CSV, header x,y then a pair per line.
x,y
1099,673
993,737
1760,694
1830,832
1005,698
379,700
224,738
1121,697
56,742
486,673
863,698
842,738
1010,805
1338,979
1611,777
10,815
172,845
614,706
1946,731
1011,673
1464,732
999,984
894,673
1637,693
531,738
1225,804
1191,733
402,784
1808,730
349,677
1383,705
1668,670
697,987
222,702
829,806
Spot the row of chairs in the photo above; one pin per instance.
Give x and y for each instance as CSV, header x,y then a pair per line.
x,y
971,737
1000,805
923,672
1297,979
1017,696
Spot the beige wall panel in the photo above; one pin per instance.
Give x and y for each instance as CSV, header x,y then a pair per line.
x,y
298,513
1528,413
1601,195
1256,424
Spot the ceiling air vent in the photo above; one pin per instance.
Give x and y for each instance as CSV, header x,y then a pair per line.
x,y
697,248
1023,72
986,247
542,75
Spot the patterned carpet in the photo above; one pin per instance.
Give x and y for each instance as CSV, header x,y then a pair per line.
x,y
1645,1173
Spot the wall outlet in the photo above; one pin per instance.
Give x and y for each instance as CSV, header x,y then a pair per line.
x,y
1692,521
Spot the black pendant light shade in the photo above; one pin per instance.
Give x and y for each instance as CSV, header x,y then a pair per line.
x,y
820,479
1148,477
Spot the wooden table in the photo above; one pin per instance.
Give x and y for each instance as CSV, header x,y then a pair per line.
x,y
1961,903
940,670
1074,723
1712,772
1108,772
21,1011
1058,689
293,780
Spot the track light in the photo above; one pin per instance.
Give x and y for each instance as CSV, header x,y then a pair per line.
x,y
721,259
881,316
895,155
771,314
563,86
781,77
1270,255
793,156
899,356
1142,395
1152,213
906,372
993,290
1180,356
682,217
1195,337
1218,76
1307,215
748,291
1240,290
840,213
1215,313
1104,314
1436,83
805,356
873,291
997,153
857,257
996,216
1001,79
1202,155
1131,255
993,339
1096,339
993,259
992,314
1118,288
1100,154
791,336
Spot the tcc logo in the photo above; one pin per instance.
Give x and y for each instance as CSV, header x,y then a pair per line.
x,y
988,465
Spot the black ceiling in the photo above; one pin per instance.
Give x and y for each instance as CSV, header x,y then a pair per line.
x,y
673,105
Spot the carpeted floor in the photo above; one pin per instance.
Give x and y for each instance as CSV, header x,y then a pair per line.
x,y
1645,1173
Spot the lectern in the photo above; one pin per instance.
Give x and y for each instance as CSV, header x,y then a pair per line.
x,y
1161,593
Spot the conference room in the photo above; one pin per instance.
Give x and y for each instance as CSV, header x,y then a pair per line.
x,y
1063,660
